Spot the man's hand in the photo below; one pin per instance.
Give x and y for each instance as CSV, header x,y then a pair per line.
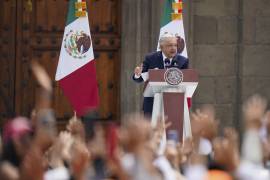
x,y
138,70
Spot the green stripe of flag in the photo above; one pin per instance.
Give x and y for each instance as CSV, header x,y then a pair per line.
x,y
71,12
166,17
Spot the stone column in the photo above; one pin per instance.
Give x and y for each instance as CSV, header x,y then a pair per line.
x,y
140,30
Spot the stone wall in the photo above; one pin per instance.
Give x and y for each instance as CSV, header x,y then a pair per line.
x,y
216,56
231,52
228,43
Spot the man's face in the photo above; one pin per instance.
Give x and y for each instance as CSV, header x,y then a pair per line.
x,y
169,47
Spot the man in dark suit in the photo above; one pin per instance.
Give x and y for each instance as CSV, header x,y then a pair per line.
x,y
166,58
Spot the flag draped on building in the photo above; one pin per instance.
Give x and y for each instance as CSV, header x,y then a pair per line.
x,y
172,22
76,70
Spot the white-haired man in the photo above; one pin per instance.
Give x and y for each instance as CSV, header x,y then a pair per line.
x,y
166,58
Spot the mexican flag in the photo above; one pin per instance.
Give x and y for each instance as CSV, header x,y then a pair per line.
x,y
76,70
172,22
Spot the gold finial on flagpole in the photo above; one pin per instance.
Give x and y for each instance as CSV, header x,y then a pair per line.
x,y
177,7
80,7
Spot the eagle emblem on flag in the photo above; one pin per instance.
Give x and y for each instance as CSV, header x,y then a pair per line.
x,y
77,43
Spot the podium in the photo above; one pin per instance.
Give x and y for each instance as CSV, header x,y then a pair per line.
x,y
170,89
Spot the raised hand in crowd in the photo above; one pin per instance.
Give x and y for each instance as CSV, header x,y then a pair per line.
x,y
266,138
204,129
60,151
209,122
253,111
226,154
158,132
33,165
42,76
43,79
76,128
80,157
204,125
186,149
97,145
135,138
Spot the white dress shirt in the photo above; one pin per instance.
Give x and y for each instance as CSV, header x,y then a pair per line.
x,y
164,57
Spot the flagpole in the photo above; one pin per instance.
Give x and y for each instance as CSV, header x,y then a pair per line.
x,y
75,116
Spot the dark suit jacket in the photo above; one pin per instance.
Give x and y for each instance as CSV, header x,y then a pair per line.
x,y
155,60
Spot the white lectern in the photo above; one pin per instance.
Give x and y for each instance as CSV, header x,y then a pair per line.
x,y
170,89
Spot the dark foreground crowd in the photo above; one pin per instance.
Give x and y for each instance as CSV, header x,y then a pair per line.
x,y
31,148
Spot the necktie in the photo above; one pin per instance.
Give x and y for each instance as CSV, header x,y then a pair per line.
x,y
167,63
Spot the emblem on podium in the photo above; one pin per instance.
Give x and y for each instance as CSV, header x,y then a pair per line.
x,y
173,76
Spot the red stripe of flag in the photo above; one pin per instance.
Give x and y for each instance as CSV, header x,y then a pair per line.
x,y
80,87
